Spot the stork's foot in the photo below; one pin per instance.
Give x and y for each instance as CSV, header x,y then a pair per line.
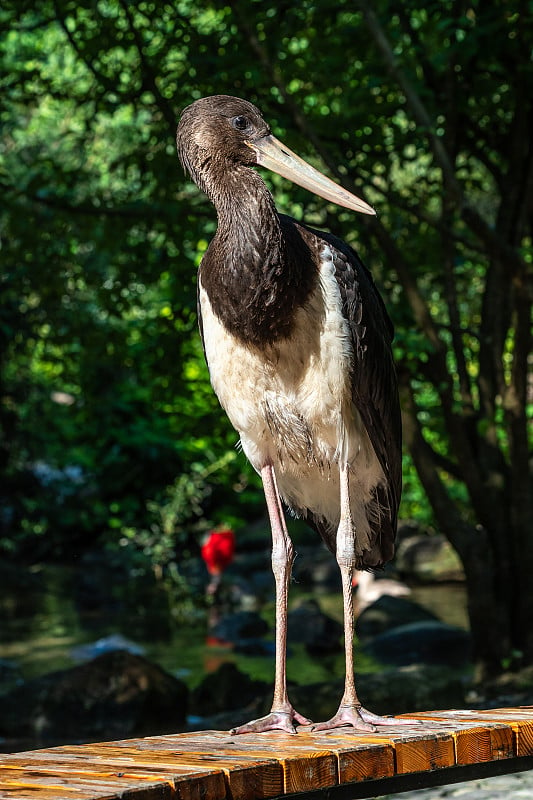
x,y
358,718
375,719
275,721
346,716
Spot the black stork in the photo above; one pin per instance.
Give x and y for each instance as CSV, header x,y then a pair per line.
x,y
298,345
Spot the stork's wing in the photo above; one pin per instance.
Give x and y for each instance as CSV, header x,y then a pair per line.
x,y
374,384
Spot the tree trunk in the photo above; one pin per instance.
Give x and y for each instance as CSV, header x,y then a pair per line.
x,y
491,598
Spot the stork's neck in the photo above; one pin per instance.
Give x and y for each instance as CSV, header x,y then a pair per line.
x,y
257,269
249,225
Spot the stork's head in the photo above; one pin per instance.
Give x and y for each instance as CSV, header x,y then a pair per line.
x,y
215,134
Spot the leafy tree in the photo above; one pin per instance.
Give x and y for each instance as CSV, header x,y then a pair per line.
x,y
462,75
98,308
426,108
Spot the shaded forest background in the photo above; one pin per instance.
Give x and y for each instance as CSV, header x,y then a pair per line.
x,y
110,433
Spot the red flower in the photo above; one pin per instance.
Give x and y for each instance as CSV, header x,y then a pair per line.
x,y
218,550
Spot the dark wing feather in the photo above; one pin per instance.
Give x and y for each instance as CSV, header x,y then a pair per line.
x,y
374,391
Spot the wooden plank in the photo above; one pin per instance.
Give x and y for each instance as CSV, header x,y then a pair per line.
x,y
336,756
213,765
82,786
245,774
56,787
520,720
475,742
306,764
83,767
201,786
46,793
74,788
354,762
424,752
308,768
166,764
303,766
188,782
478,744
416,748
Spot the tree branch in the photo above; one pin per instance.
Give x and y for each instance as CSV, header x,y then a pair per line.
x,y
481,228
420,113
448,517
148,74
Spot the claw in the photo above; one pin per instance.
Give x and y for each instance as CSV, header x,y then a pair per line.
x,y
359,719
346,716
374,719
275,721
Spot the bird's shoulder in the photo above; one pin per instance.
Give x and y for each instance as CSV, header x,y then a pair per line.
x,y
360,296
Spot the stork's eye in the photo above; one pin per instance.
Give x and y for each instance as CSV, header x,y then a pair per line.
x,y
241,123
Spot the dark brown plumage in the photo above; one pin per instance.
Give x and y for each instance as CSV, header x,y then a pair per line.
x,y
298,344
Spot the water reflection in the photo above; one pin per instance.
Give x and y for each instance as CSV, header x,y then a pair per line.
x,y
48,612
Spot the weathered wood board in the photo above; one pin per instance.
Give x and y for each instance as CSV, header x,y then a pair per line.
x,y
213,765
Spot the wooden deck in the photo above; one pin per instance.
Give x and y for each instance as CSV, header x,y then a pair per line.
x,y
440,747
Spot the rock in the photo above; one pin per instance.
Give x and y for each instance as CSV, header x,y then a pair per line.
x,y
107,644
239,625
308,625
226,688
421,642
389,612
116,695
428,559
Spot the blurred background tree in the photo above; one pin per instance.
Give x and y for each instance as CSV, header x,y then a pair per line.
x,y
110,431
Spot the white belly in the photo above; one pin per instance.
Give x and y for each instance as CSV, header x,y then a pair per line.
x,y
291,403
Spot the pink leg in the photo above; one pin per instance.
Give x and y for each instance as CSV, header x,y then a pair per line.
x,y
282,715
350,711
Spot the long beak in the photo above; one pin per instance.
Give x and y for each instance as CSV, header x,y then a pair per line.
x,y
271,153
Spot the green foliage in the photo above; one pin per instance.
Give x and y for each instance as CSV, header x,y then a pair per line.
x,y
102,368
178,520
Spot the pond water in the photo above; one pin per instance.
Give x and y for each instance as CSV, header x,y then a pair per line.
x,y
48,612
